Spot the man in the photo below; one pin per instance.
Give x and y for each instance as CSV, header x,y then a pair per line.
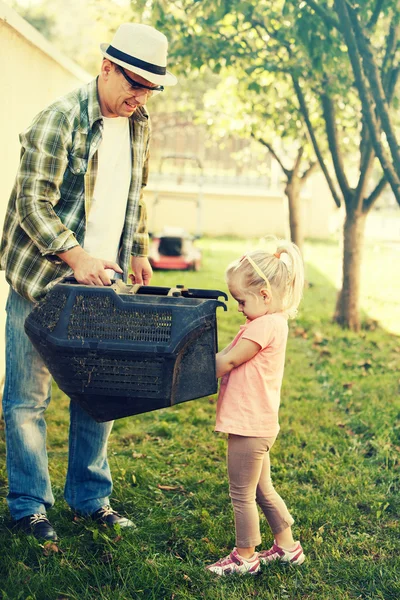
x,y
76,207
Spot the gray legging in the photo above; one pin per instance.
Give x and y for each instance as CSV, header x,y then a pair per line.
x,y
250,483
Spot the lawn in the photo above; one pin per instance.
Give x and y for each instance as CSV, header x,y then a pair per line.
x,y
336,463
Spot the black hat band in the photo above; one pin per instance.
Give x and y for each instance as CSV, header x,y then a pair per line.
x,y
136,62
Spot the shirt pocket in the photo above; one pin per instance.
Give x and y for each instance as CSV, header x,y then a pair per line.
x,y
77,164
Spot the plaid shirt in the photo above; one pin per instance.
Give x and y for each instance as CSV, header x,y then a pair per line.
x,y
50,202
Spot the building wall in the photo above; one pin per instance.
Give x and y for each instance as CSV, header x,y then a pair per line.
x,y
240,212
34,74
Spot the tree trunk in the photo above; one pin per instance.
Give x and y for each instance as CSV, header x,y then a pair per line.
x,y
347,306
292,191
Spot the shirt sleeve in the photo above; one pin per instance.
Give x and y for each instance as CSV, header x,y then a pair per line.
x,y
140,245
44,159
261,331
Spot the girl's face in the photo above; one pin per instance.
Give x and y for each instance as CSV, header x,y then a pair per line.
x,y
252,305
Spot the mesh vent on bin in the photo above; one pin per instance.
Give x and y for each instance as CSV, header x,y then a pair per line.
x,y
135,377
97,317
47,314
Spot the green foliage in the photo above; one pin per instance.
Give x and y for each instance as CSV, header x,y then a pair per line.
x,y
336,463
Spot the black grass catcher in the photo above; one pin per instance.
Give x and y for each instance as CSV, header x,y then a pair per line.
x,y
124,350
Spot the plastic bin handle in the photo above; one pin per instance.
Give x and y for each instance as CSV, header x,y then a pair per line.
x,y
120,287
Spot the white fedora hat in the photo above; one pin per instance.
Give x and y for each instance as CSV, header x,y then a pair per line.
x,y
142,50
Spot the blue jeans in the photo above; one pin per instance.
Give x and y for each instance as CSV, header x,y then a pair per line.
x,y
26,396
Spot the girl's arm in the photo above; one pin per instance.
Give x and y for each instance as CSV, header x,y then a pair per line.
x,y
239,354
225,350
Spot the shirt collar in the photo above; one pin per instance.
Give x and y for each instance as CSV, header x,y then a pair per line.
x,y
94,111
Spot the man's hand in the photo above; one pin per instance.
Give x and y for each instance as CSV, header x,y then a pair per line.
x,y
87,269
142,271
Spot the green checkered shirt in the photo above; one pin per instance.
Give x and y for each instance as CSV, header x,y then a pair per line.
x,y
50,202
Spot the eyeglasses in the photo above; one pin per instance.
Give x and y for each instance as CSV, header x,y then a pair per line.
x,y
138,88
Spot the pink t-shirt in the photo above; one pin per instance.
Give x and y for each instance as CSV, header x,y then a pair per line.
x,y
249,396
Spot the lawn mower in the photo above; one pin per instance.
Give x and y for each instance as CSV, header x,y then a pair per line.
x,y
173,248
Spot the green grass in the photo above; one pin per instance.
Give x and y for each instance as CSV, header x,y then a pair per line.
x,y
336,463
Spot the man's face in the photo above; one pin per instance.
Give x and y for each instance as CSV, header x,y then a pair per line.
x,y
120,98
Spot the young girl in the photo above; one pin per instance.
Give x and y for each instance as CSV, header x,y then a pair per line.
x,y
268,290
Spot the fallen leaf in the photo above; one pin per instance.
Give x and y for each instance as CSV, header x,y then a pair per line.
x,y
117,539
138,455
318,338
300,332
367,364
107,558
200,481
325,352
50,548
348,385
169,488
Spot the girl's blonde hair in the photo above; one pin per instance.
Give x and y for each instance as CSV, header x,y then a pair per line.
x,y
282,271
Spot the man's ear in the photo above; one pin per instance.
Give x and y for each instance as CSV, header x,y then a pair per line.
x,y
106,68
266,294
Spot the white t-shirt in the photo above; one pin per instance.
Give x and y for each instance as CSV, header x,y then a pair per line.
x,y
107,213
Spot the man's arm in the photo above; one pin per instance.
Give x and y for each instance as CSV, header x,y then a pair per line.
x,y
44,160
239,354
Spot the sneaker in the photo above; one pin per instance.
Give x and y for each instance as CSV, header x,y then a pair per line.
x,y
295,556
233,563
107,516
37,525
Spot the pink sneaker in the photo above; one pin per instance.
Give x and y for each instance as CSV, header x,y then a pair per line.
x,y
295,556
233,563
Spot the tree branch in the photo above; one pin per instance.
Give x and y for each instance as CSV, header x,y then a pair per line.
x,y
256,24
273,153
313,139
326,16
388,70
391,87
391,46
312,167
366,99
374,195
298,162
333,141
372,72
366,167
375,15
